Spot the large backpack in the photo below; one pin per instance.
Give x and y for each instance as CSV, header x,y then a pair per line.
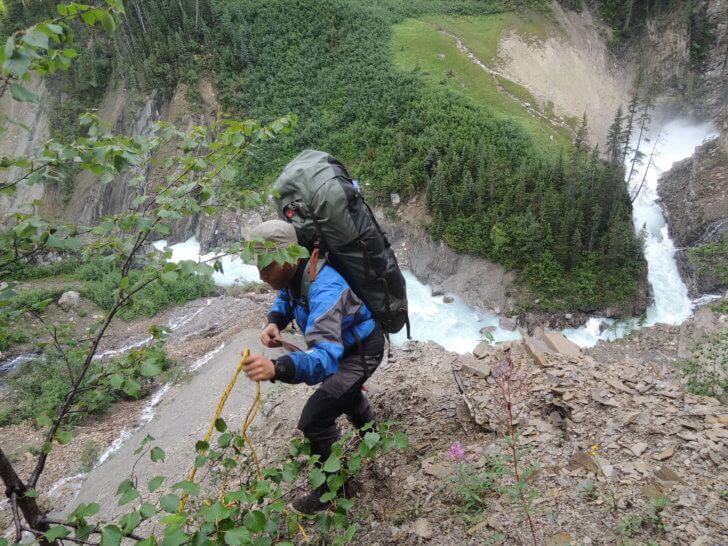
x,y
315,194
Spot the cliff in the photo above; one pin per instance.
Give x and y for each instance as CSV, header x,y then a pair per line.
x,y
694,196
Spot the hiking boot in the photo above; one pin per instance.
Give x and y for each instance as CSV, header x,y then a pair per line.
x,y
310,504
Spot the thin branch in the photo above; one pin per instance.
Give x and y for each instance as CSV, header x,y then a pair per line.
x,y
26,175
95,531
72,539
54,334
70,397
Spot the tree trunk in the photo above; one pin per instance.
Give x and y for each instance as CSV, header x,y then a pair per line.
x,y
141,17
628,19
33,515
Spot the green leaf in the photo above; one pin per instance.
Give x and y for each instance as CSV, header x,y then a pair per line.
x,y
85,510
400,440
124,486
354,463
32,493
216,512
116,381
155,483
220,424
316,477
345,504
237,536
110,536
188,487
157,454
64,436
175,538
129,522
147,510
47,447
128,496
255,521
170,276
56,533
150,368
371,439
224,440
43,421
328,496
23,94
170,503
36,38
335,482
132,388
107,21
332,464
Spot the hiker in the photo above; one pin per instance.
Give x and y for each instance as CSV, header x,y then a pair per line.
x,y
345,346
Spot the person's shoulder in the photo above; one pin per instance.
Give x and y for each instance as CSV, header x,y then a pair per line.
x,y
328,279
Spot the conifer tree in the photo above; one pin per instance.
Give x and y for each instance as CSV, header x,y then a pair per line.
x,y
615,138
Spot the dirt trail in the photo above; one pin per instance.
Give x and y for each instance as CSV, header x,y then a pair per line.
x,y
180,420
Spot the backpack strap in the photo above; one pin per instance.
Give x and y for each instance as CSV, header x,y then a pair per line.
x,y
314,266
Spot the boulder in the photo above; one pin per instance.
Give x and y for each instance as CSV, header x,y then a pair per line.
x,y
483,349
448,299
538,350
509,323
488,330
69,300
477,367
422,528
558,343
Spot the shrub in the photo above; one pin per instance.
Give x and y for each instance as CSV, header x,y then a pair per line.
x,y
10,337
39,386
60,267
103,280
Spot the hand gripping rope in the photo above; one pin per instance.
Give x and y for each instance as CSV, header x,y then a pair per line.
x,y
247,421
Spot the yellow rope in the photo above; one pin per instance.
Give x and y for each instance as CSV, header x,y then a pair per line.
x,y
249,418
218,411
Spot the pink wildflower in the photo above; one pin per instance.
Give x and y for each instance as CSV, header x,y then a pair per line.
x,y
456,452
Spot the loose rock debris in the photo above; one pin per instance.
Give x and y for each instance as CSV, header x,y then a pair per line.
x,y
620,429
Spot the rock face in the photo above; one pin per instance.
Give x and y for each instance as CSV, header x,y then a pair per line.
x,y
694,195
665,48
477,281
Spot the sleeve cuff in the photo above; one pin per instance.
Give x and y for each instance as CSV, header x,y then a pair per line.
x,y
285,369
278,319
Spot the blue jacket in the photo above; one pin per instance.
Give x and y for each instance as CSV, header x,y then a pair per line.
x,y
334,319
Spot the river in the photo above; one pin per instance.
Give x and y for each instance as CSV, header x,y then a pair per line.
x,y
457,326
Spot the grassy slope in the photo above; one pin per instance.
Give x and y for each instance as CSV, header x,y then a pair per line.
x,y
417,44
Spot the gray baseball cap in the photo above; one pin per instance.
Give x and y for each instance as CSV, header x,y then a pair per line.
x,y
278,232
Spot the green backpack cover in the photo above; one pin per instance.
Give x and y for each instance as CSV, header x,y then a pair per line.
x,y
315,194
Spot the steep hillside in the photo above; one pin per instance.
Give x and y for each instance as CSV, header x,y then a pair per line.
x,y
495,157
524,66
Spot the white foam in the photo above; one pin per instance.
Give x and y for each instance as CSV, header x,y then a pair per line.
x,y
456,326
234,270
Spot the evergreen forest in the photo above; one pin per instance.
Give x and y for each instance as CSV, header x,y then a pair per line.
x,y
560,216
